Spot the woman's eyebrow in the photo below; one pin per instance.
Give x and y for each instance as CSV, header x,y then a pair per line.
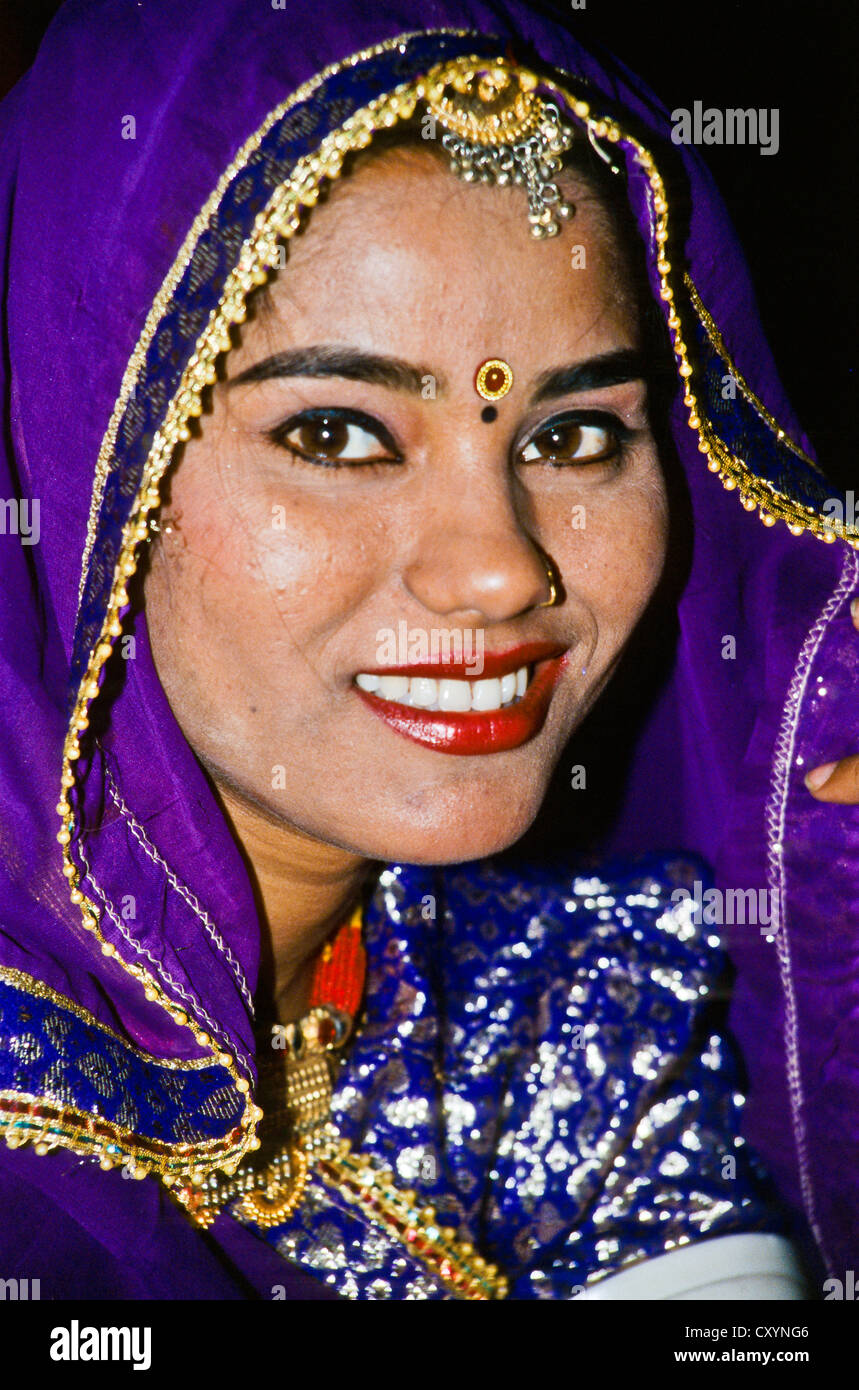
x,y
322,361
609,369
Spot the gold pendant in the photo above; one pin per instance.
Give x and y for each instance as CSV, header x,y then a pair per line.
x,y
275,1203
296,1072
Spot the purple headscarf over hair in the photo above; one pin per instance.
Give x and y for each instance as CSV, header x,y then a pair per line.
x,y
91,225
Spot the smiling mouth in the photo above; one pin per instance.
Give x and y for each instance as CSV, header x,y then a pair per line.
x,y
443,709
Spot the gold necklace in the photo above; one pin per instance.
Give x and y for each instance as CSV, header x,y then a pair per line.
x,y
296,1076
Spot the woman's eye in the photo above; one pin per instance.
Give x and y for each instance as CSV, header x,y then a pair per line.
x,y
575,441
334,437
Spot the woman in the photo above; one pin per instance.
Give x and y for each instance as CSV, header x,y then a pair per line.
x,y
331,585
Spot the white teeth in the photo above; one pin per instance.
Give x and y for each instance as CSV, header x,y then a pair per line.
x,y
451,696
393,687
424,692
454,696
486,695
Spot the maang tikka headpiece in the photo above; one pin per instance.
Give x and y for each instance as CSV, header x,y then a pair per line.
x,y
499,130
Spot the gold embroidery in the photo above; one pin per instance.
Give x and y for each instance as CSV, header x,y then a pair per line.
x,y
372,1191
756,491
719,344
29,985
49,1123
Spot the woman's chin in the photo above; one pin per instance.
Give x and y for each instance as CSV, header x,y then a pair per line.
x,y
455,842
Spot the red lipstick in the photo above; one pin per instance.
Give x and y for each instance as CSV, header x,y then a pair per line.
x,y
475,732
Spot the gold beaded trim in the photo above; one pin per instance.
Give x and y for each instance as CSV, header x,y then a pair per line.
x,y
733,471
49,1124
27,984
454,1262
279,220
745,390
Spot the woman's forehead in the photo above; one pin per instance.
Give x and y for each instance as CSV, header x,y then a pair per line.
x,y
412,186
404,251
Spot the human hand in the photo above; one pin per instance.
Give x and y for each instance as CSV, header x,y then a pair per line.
x,y
838,781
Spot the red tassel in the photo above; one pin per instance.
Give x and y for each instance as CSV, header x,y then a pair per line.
x,y
341,969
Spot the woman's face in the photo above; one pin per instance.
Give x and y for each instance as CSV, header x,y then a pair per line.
x,y
342,513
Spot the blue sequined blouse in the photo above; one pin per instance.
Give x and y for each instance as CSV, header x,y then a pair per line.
x,y
540,1058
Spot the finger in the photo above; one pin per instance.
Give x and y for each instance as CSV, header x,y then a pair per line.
x,y
837,782
854,611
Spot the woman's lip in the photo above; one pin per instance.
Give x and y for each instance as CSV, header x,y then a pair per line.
x,y
474,733
490,663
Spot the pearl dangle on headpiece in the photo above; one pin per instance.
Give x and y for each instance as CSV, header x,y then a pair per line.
x,y
499,130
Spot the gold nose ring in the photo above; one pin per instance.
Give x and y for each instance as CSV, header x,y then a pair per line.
x,y
553,588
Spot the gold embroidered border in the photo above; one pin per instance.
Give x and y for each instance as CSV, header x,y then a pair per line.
x,y
277,222
455,1262
757,492
27,984
49,1124
718,342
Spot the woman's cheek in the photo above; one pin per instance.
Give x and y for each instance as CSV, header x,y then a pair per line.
x,y
304,563
615,552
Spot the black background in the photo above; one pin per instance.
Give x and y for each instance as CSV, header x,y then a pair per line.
x,y
796,211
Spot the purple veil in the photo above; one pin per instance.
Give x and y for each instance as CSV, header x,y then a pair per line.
x,y
137,157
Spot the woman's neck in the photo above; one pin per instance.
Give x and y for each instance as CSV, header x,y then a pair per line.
x,y
304,889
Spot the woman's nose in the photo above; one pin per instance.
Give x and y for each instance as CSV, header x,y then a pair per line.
x,y
478,558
